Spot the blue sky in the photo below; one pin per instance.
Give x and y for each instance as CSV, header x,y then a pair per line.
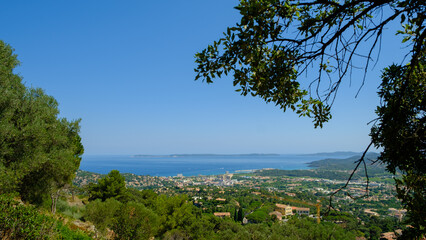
x,y
126,69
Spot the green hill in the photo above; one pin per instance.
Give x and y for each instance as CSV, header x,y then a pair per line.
x,y
346,163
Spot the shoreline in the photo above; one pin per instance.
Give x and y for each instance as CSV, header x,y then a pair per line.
x,y
242,171
191,165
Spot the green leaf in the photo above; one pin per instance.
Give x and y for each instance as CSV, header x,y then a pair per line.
x,y
406,39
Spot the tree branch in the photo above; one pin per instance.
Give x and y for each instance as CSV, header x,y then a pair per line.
x,y
359,161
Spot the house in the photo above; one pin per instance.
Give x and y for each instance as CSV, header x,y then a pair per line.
x,y
370,212
399,214
391,235
302,211
285,210
222,214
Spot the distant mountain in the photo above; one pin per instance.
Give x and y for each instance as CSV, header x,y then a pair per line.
x,y
346,163
335,154
334,168
208,155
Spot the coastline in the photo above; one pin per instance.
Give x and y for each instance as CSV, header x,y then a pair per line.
x,y
201,164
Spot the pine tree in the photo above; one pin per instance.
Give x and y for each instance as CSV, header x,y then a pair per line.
x,y
240,215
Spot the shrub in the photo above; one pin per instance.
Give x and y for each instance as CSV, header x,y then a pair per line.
x,y
18,221
22,222
102,213
135,221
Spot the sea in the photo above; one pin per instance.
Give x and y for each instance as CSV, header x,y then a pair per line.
x,y
200,164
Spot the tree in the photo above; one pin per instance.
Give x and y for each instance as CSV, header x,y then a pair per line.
x,y
175,213
401,133
110,186
102,213
258,216
276,42
240,215
135,221
39,152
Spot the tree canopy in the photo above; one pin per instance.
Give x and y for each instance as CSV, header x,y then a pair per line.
x,y
39,152
276,43
110,186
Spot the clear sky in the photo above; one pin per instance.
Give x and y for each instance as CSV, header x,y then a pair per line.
x,y
126,69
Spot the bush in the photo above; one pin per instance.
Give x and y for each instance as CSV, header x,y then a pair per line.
x,y
102,213
63,232
18,221
22,222
135,221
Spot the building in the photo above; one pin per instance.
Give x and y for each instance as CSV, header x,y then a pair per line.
x,y
391,235
285,210
399,214
370,212
302,211
222,214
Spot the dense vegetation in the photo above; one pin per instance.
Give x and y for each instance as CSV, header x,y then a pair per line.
x,y
25,222
241,202
134,214
39,152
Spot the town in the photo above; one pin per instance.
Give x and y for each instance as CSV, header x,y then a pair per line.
x,y
253,196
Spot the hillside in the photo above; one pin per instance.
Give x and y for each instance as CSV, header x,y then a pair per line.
x,y
334,169
344,164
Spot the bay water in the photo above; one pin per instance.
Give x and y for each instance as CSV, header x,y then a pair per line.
x,y
199,164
